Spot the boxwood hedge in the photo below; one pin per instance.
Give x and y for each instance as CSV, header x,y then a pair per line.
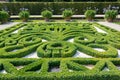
x,y
36,7
55,45
78,71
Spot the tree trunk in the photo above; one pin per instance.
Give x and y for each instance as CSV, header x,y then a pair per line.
x,y
68,18
25,20
47,19
89,19
110,20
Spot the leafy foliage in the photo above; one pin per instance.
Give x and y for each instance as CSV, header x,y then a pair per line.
x,y
65,0
4,16
78,7
67,13
24,15
111,14
70,69
90,14
46,14
51,42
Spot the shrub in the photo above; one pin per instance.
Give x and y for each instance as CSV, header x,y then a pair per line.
x,y
24,15
109,51
67,14
4,16
46,14
81,39
28,39
56,49
37,7
63,0
110,15
90,14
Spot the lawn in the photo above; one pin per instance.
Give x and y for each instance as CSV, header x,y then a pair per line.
x,y
58,20
117,23
59,51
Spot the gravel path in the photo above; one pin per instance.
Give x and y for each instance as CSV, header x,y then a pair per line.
x,y
9,24
60,16
111,25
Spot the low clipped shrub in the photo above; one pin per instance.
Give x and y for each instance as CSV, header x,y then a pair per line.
x,y
24,15
56,49
84,39
109,51
90,14
15,47
46,14
4,16
67,14
70,69
110,15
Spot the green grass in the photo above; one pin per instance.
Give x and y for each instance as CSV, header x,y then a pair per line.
x,y
60,20
117,23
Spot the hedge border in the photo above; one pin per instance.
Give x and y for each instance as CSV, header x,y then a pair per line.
x,y
82,72
36,7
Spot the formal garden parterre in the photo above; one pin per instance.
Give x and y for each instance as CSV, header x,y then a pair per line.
x,y
56,47
59,50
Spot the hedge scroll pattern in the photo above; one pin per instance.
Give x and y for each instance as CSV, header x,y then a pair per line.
x,y
29,38
55,45
70,69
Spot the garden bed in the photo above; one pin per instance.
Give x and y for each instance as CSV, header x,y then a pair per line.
x,y
59,51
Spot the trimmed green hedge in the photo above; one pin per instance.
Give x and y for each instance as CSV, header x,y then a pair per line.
x,y
56,49
84,38
64,0
109,51
36,7
70,69
62,40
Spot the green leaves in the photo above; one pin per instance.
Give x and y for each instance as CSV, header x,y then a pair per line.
x,y
70,68
24,15
90,14
110,15
56,49
67,13
4,16
54,42
46,14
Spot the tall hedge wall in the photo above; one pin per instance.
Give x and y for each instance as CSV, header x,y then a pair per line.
x,y
64,0
36,7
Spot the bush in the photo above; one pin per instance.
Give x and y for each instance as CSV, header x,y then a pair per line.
x,y
110,15
109,51
28,39
63,0
36,7
81,39
56,49
46,14
24,15
4,16
67,14
38,69
90,14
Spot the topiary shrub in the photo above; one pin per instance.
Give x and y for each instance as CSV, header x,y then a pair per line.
x,y
90,14
67,14
110,15
4,16
56,49
24,15
47,14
